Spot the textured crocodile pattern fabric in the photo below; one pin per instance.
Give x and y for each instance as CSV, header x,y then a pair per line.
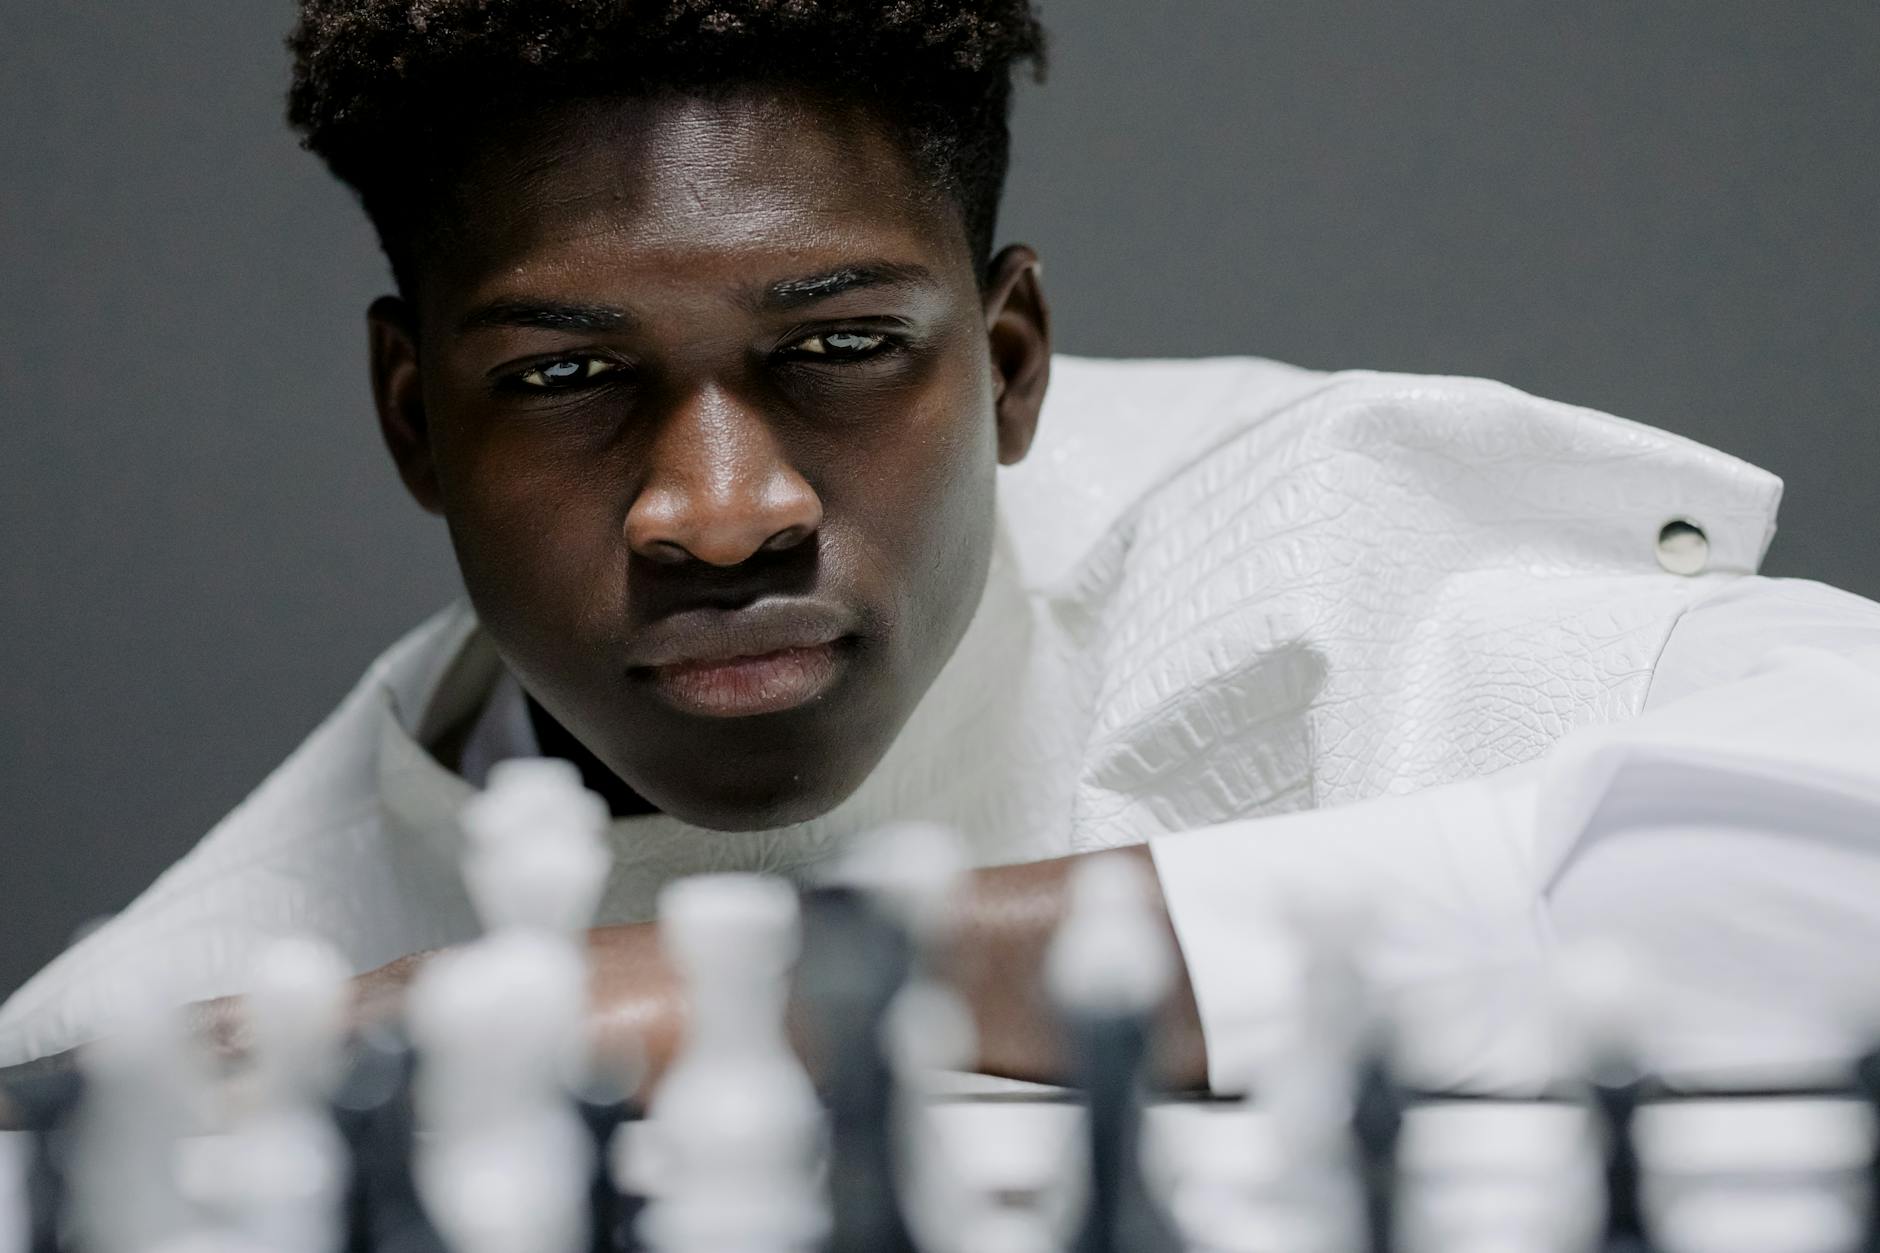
x,y
1389,583
1224,589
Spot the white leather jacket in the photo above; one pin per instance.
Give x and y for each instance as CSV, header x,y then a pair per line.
x,y
1303,632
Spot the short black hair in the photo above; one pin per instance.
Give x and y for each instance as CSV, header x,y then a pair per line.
x,y
392,93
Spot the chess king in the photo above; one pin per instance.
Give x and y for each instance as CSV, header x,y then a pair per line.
x,y
777,516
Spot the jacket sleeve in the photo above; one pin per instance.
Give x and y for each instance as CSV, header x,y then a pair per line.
x,y
1728,838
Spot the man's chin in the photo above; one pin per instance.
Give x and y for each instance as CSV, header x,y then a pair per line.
x,y
756,804
760,796
759,773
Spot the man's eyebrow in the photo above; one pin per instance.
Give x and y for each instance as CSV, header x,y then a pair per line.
x,y
791,293
547,315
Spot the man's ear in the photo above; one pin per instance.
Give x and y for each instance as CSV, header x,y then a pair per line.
x,y
1018,324
395,390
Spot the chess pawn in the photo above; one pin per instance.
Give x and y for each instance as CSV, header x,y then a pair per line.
x,y
1312,1168
499,1026
1332,1084
912,873
735,1124
1376,1124
1360,1031
928,1029
1602,1004
280,1171
534,855
855,961
1109,968
146,1088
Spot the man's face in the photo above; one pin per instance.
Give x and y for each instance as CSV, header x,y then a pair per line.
x,y
712,403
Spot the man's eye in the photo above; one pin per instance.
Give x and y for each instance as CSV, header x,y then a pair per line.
x,y
842,345
558,374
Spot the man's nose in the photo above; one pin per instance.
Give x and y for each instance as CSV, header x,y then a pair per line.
x,y
719,488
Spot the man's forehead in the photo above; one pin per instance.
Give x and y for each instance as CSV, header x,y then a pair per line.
x,y
760,182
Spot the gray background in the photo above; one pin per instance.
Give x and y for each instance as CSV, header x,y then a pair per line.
x,y
1668,211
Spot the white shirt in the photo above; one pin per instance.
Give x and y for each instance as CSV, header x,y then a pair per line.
x,y
1401,637
1728,839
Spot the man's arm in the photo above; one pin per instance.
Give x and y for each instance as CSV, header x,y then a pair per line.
x,y
1006,918
1728,839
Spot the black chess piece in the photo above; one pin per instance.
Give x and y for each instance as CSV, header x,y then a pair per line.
x,y
1110,1052
854,961
44,1107
374,1112
1867,1080
1376,1121
1617,1095
605,1107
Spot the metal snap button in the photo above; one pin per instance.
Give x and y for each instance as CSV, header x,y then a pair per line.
x,y
1683,548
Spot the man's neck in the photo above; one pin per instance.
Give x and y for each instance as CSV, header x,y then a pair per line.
x,y
557,741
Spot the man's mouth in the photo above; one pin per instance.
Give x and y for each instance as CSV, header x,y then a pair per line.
x,y
738,687
763,658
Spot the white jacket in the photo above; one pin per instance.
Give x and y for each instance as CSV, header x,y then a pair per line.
x,y
1245,611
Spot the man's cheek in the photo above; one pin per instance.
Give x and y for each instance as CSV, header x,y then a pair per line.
x,y
549,563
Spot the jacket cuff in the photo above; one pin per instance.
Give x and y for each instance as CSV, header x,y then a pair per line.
x,y
1451,933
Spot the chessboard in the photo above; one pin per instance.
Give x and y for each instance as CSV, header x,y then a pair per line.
x,y
479,1121
1719,1174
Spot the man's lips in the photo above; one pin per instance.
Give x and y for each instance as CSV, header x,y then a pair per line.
x,y
764,658
738,687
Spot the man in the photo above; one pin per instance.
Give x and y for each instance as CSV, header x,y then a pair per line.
x,y
704,355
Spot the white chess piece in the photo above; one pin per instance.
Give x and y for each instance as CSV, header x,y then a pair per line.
x,y
278,1174
735,1124
1303,985
1602,1000
1499,1174
534,855
1764,1174
16,1149
209,1241
146,1089
913,870
1111,954
1231,1172
535,861
505,1164
299,1002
